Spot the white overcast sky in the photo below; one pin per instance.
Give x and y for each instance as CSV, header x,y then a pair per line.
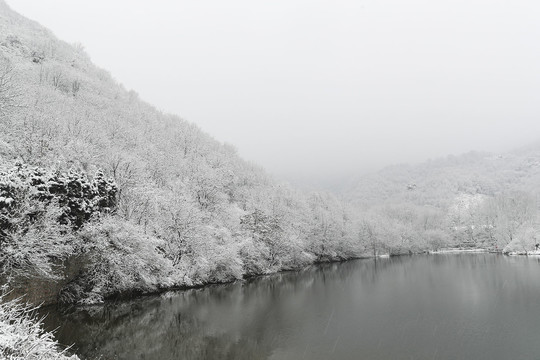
x,y
315,89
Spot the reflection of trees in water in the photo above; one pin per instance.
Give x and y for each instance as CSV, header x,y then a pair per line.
x,y
151,329
252,319
227,321
244,320
369,271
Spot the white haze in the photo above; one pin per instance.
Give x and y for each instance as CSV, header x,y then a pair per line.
x,y
317,90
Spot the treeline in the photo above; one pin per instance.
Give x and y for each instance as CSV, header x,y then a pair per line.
x,y
476,200
48,217
505,222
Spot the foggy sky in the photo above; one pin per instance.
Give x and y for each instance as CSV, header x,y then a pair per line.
x,y
313,90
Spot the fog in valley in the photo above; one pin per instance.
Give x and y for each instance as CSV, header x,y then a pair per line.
x,y
317,91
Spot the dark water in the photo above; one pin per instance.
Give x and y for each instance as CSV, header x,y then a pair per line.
x,y
465,306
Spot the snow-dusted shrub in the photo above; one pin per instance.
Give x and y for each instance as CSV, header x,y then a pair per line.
x,y
119,258
292,255
435,240
213,258
26,191
180,225
39,209
32,248
255,257
22,335
269,246
524,240
224,259
9,93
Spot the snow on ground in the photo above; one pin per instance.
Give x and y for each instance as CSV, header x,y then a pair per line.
x,y
457,250
528,253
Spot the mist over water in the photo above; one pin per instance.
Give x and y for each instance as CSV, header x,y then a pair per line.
x,y
421,307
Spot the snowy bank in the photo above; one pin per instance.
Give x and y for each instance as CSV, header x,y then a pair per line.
x,y
523,252
457,250
22,335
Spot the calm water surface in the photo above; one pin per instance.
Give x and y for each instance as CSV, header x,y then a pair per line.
x,y
469,306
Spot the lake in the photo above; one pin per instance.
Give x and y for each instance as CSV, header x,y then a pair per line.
x,y
451,306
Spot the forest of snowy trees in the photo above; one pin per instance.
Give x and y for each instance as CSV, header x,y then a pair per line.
x,y
103,195
145,200
476,200
142,200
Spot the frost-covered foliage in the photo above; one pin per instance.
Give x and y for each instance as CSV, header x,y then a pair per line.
x,y
488,222
22,336
266,236
26,191
525,240
404,229
496,221
39,209
117,258
8,89
214,258
36,248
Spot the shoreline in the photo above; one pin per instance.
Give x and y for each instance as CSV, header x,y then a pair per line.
x,y
460,250
523,253
131,295
126,296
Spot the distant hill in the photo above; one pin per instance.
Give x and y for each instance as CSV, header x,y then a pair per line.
x,y
438,182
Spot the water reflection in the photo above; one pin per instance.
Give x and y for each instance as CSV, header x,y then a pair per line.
x,y
421,307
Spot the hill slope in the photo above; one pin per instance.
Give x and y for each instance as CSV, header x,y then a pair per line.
x,y
438,182
476,199
186,211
